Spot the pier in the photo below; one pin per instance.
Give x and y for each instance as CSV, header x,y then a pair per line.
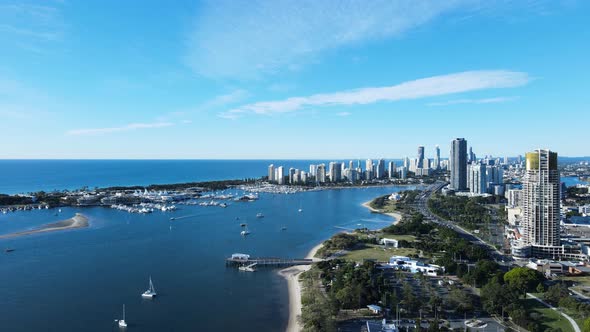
x,y
244,259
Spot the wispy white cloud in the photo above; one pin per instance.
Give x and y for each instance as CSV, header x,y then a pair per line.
x,y
474,101
128,127
421,88
30,26
246,38
344,114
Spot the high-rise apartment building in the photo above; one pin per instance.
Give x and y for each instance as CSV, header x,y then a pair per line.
x,y
436,165
391,169
458,164
335,172
380,169
280,175
321,173
420,157
271,173
541,203
476,178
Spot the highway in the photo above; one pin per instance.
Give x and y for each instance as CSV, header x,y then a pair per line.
x,y
421,205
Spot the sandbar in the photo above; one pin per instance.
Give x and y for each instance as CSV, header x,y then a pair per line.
x,y
77,221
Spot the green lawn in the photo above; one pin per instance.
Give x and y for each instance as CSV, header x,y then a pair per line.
x,y
377,253
549,318
582,281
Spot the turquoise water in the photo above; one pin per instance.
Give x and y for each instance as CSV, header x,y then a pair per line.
x,y
78,280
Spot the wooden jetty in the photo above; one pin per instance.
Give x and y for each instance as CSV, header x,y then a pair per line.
x,y
244,259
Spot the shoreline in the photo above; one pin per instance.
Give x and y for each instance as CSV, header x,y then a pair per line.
x,y
395,215
291,274
77,221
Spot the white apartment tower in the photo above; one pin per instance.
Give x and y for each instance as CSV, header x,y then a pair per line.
x,y
271,173
541,203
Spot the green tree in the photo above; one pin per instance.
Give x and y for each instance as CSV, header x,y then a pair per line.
x,y
586,326
523,279
555,293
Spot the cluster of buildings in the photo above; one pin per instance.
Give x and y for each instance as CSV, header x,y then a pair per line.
x,y
477,177
336,172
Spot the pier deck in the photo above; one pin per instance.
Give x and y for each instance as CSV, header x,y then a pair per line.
x,y
269,261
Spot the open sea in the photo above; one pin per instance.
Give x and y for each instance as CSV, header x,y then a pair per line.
x,y
78,280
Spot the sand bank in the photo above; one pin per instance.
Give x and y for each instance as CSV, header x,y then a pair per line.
x,y
292,275
77,221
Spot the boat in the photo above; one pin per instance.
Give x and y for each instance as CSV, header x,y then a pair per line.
x,y
284,228
122,322
172,218
247,268
151,292
300,210
259,215
243,224
8,250
245,231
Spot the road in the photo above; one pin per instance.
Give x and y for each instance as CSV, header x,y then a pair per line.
x,y
422,206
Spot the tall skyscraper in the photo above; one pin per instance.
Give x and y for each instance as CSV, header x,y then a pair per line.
x,y
280,175
458,164
541,202
335,172
380,169
369,173
420,157
391,169
472,157
271,173
321,173
476,178
436,165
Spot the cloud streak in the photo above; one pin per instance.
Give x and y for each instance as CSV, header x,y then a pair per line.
x,y
243,39
129,127
422,88
494,100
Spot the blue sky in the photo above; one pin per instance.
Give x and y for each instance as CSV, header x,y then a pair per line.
x,y
292,79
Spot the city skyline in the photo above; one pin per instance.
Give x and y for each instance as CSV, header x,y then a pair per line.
x,y
330,80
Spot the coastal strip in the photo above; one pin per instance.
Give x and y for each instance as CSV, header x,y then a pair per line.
x,y
77,221
291,274
396,215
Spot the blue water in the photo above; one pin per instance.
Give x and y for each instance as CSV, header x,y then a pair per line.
x,y
78,280
22,176
572,181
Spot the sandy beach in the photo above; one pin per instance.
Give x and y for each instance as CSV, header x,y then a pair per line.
x,y
292,275
77,221
397,216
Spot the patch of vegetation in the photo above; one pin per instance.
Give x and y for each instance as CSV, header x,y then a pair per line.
x,y
338,242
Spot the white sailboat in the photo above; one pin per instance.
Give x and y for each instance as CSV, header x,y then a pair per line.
x,y
151,292
122,323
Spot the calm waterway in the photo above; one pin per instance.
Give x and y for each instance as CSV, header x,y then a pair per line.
x,y
78,280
